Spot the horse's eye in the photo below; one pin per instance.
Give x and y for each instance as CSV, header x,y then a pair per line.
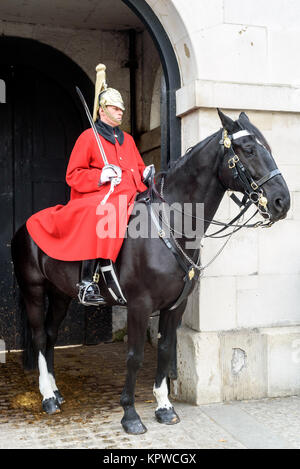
x,y
250,151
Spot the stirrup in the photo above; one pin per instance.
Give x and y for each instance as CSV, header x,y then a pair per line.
x,y
83,294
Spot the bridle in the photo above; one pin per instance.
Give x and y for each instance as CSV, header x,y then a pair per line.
x,y
253,195
253,189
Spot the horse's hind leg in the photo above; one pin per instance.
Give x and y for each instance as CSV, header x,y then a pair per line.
x,y
35,307
168,323
137,328
57,310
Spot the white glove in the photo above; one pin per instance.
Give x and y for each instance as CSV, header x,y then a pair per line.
x,y
109,172
147,171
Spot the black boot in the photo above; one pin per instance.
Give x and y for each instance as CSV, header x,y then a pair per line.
x,y
89,292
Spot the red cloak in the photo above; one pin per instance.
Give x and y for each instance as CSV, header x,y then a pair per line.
x,y
83,228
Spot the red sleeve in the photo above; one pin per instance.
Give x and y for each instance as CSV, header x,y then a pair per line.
x,y
80,175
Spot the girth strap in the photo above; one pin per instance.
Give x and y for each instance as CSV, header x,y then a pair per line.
x,y
191,275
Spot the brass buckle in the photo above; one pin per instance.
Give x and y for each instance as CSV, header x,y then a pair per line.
x,y
161,234
254,185
232,161
96,277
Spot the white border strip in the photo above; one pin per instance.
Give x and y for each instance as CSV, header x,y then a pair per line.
x,y
2,92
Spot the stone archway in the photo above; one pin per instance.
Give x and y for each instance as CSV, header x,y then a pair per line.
x,y
170,126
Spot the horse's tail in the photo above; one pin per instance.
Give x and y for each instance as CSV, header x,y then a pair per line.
x,y
29,353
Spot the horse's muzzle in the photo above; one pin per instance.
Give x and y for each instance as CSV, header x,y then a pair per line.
x,y
279,208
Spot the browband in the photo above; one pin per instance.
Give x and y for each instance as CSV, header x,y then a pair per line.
x,y
240,133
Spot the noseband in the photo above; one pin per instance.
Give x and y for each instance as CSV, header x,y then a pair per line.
x,y
252,188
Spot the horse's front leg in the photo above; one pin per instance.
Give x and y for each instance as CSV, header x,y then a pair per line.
x,y
137,321
168,323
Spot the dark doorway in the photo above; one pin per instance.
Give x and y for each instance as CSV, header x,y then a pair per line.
x,y
39,124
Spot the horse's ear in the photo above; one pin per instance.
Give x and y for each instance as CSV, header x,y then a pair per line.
x,y
243,117
227,122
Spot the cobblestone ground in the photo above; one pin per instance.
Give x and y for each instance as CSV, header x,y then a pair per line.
x,y
91,379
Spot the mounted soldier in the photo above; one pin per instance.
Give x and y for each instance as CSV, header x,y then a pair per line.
x,y
154,272
71,232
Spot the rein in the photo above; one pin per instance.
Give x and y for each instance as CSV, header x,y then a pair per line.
x,y
253,195
253,192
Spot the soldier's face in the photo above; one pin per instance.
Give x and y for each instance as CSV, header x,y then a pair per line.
x,y
114,114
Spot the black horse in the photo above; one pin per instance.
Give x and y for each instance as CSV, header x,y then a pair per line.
x,y
237,157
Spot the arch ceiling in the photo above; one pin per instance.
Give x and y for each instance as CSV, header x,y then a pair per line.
x,y
87,14
116,15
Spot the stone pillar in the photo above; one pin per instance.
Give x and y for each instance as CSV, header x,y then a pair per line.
x,y
240,334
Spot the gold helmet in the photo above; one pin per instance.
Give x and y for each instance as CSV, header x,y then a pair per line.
x,y
105,96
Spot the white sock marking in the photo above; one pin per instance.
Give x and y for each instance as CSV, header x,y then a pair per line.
x,y
44,381
161,395
52,382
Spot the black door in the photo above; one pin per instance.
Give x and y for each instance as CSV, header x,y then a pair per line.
x,y
39,124
7,316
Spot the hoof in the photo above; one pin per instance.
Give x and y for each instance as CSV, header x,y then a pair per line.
x,y
167,416
59,397
50,406
133,427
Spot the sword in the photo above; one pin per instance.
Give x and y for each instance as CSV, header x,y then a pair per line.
x,y
114,180
92,125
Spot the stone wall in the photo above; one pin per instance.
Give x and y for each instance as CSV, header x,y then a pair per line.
x,y
246,310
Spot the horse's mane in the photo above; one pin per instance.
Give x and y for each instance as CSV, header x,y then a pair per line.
x,y
243,122
175,165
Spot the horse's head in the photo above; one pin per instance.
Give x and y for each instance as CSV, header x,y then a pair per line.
x,y
249,167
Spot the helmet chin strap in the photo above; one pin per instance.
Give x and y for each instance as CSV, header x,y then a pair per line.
x,y
109,115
